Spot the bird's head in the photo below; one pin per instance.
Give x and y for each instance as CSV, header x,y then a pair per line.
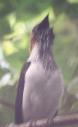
x,y
42,34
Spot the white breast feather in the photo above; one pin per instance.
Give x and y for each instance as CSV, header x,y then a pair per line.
x,y
42,92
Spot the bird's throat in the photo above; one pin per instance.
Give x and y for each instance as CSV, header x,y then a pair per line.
x,y
38,54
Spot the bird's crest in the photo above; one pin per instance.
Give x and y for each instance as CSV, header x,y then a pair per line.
x,y
43,33
44,24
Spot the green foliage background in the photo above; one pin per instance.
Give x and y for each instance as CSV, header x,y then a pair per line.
x,y
17,18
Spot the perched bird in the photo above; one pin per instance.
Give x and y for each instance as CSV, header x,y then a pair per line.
x,y
40,86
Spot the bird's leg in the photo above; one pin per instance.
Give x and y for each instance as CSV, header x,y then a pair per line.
x,y
50,120
32,123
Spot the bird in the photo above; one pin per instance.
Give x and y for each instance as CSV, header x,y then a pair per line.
x,y
41,84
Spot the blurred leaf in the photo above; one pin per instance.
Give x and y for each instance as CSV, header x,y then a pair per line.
x,y
17,59
8,47
6,7
73,1
4,118
3,71
73,87
4,27
8,93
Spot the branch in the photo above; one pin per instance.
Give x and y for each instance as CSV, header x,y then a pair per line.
x,y
58,121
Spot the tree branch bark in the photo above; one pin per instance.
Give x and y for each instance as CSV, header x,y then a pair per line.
x,y
58,121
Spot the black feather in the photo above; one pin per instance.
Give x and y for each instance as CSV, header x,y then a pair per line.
x,y
18,103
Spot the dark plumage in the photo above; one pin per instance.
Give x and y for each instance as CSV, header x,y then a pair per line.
x,y
18,104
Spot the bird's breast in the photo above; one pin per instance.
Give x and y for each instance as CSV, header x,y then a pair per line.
x,y
42,91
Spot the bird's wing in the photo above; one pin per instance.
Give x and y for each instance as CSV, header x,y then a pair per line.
x,y
18,103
